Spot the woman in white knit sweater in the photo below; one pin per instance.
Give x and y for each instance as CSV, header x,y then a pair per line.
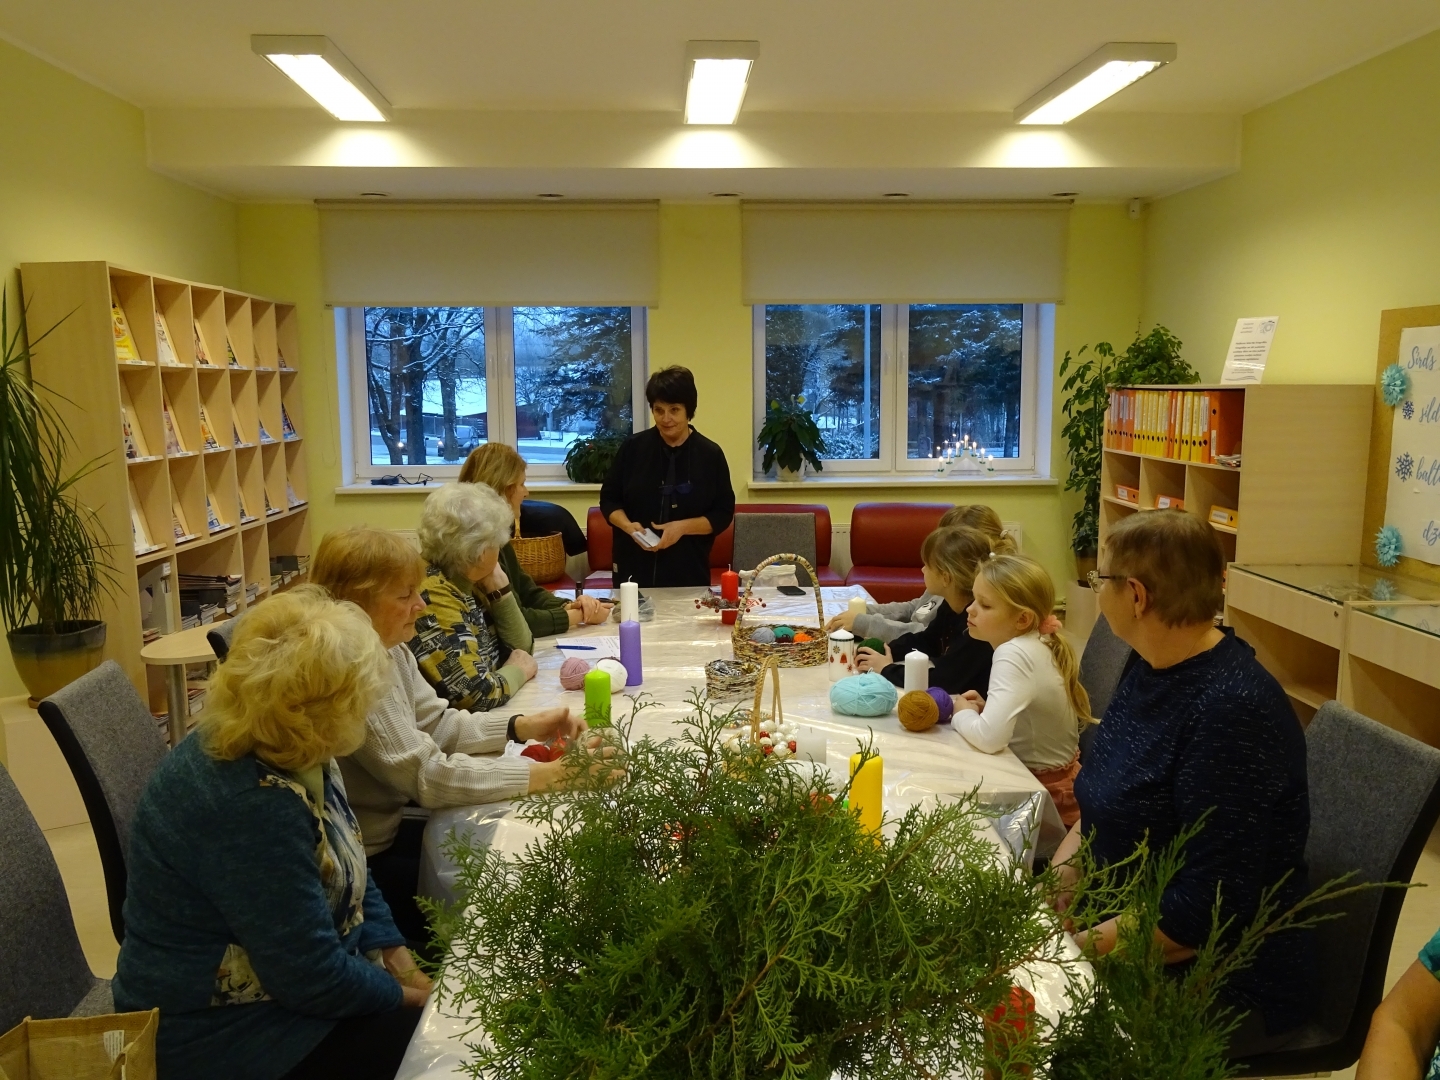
x,y
1035,703
417,748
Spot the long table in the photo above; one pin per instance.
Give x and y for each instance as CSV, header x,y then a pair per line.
x,y
920,768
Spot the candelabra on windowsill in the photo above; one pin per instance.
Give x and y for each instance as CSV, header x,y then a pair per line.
x,y
964,456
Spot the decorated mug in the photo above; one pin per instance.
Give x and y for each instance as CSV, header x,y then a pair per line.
x,y
841,658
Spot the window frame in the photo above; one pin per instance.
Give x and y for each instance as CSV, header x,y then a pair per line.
x,y
499,390
1036,362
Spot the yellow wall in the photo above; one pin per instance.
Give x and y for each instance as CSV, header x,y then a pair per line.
x,y
701,323
1333,217
74,184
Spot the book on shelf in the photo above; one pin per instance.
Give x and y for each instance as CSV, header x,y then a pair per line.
x,y
164,348
212,517
135,444
265,435
287,428
125,350
178,523
202,348
173,443
291,497
207,431
1197,426
230,353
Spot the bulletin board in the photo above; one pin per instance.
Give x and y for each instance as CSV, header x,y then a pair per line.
x,y
1405,489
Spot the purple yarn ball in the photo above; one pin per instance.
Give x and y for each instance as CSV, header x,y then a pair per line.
x,y
942,699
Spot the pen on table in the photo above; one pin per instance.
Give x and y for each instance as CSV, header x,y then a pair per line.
x,y
587,648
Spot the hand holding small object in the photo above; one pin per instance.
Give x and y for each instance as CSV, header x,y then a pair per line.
x,y
670,533
867,659
546,724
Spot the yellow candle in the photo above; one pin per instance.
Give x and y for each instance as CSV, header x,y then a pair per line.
x,y
867,791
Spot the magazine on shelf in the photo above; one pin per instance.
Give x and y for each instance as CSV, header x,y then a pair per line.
x,y
179,524
265,435
212,517
125,350
173,443
139,529
291,497
245,516
135,445
283,365
235,430
230,353
202,349
163,347
288,428
207,432
268,508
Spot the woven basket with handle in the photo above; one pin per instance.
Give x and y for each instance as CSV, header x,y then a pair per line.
x,y
807,653
542,557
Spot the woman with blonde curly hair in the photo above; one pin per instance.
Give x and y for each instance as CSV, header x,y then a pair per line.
x,y
250,918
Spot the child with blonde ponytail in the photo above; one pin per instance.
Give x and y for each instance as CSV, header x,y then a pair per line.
x,y
1035,704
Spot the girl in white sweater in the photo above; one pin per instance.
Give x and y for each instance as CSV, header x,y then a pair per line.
x,y
1035,703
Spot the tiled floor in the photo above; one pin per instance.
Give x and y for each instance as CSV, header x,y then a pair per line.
x,y
79,861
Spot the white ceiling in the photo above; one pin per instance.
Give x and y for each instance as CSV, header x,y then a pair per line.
x,y
626,56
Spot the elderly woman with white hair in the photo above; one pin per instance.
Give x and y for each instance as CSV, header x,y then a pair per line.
x,y
472,642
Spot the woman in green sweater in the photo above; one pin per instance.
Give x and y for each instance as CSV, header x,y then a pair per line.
x,y
502,469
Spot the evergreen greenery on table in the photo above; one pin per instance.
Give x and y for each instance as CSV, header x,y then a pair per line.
x,y
711,913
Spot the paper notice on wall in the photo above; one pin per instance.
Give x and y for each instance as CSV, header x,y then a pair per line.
x,y
1412,500
1249,348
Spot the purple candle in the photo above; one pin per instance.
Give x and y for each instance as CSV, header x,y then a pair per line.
x,y
630,652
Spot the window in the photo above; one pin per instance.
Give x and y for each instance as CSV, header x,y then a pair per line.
x,y
891,386
429,384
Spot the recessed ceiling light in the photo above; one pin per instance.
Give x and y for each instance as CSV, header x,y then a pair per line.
x,y
549,195
320,69
1102,74
716,76
896,195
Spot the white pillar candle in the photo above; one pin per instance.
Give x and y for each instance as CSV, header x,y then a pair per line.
x,y
810,745
857,605
629,602
917,671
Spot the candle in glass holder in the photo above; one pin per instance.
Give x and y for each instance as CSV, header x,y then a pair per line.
x,y
730,585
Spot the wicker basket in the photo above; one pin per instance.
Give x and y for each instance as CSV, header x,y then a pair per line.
x,y
730,685
810,653
542,557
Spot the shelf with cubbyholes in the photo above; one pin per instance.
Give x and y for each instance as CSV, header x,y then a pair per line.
x,y
189,396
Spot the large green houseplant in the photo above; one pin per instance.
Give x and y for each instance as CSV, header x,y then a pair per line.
x,y
54,566
790,438
589,459
1151,359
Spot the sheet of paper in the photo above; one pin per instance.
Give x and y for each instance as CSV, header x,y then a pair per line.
x,y
1412,499
589,648
1249,348
649,536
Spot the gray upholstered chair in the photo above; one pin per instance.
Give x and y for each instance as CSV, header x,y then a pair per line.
x,y
219,636
112,745
758,536
1101,665
45,974
1374,799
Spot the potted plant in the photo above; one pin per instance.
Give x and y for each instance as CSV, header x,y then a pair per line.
x,y
53,564
588,460
1149,360
790,438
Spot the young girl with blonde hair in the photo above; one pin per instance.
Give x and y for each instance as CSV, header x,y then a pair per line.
x,y
1035,704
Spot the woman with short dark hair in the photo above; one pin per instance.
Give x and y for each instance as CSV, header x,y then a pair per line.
x,y
1198,729
671,480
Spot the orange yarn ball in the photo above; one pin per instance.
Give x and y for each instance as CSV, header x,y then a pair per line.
x,y
918,711
802,637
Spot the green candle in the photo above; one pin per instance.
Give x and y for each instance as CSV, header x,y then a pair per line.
x,y
597,698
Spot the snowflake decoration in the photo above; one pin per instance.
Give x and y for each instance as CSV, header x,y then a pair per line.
x,y
1404,466
1408,410
1394,384
1387,546
1383,589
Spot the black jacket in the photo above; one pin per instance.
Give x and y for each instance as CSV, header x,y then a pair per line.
x,y
959,662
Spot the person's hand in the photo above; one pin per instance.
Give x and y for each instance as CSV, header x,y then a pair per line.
x,y
844,621
546,724
634,528
971,699
575,615
496,581
604,762
415,985
524,661
587,609
1069,877
670,533
867,659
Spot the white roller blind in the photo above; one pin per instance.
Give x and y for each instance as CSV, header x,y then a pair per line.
x,y
448,254
927,253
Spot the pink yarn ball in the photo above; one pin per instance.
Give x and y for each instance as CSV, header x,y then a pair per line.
x,y
573,672
942,699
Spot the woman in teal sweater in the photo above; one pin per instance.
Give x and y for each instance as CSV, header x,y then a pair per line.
x,y
250,918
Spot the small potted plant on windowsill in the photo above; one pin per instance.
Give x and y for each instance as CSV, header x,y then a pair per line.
x,y
790,438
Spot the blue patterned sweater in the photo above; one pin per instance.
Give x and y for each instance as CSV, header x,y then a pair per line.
x,y
248,916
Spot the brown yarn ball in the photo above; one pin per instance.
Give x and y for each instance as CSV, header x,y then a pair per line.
x,y
918,711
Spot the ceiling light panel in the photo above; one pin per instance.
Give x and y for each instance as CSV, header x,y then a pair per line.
x,y
717,75
317,66
1101,75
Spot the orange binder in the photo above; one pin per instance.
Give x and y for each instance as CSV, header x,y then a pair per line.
x,y
1227,414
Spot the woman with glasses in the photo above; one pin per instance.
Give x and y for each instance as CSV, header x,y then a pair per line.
x,y
670,483
1198,733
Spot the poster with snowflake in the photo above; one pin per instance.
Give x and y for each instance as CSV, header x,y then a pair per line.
x,y
1412,502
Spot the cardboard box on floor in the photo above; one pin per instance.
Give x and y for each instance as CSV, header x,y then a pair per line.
x,y
120,1045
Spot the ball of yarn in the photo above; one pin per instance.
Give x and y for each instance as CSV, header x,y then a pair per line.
x,y
872,643
870,694
784,633
802,637
918,711
616,671
572,673
942,699
763,636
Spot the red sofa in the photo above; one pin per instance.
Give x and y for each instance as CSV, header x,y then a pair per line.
x,y
885,541
598,537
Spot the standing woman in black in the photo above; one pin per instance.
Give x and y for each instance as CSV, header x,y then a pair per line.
x,y
672,480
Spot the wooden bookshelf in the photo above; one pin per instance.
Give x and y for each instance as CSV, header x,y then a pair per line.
x,y
78,365
1300,487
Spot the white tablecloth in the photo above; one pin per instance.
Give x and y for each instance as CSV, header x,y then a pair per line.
x,y
919,768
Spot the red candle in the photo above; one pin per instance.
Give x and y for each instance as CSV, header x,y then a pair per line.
x,y
730,585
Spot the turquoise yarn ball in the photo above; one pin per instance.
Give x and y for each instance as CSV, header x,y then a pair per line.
x,y
763,636
870,694
784,633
